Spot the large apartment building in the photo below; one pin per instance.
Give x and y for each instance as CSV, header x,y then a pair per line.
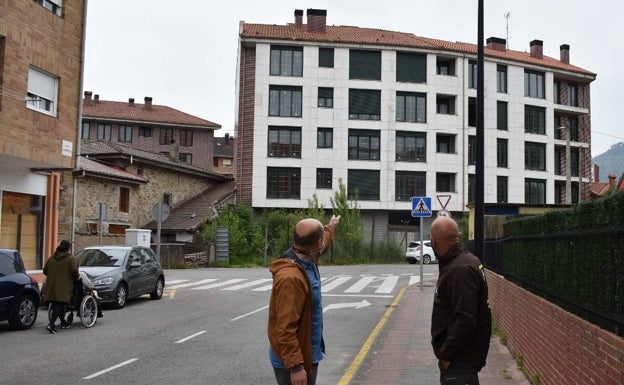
x,y
41,56
393,115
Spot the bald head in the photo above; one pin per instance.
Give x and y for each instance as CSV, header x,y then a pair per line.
x,y
308,232
444,235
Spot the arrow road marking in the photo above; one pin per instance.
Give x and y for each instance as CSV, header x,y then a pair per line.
x,y
356,305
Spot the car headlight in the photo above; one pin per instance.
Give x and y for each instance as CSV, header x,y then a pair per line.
x,y
103,281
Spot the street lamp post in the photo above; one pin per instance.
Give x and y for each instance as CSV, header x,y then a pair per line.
x,y
568,165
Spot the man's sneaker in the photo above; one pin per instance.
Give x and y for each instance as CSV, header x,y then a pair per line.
x,y
51,329
65,325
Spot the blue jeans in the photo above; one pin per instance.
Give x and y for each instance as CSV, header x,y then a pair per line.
x,y
459,373
283,376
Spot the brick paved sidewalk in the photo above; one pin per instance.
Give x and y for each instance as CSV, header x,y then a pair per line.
x,y
402,355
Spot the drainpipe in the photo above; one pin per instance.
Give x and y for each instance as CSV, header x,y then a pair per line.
x,y
79,131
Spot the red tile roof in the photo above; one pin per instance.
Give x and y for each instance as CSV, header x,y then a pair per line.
x,y
124,111
109,171
379,37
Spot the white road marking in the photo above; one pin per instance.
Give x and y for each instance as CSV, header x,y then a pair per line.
x,y
175,281
248,284
329,286
191,336
388,284
414,279
248,314
193,283
109,369
356,305
228,282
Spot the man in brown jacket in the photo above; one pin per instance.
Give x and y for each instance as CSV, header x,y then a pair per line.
x,y
295,326
61,271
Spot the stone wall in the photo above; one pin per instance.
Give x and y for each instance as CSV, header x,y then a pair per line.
x,y
555,345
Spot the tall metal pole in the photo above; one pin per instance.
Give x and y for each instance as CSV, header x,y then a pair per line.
x,y
479,168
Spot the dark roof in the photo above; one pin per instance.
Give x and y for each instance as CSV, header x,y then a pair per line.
x,y
106,150
377,37
224,147
141,113
95,168
189,215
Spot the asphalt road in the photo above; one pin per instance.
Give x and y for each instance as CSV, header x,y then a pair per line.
x,y
209,328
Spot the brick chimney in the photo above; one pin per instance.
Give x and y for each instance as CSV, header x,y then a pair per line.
x,y
612,180
298,18
317,19
87,97
537,49
497,43
131,102
564,53
148,103
96,97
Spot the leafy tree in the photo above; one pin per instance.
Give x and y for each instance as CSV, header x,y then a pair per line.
x,y
348,240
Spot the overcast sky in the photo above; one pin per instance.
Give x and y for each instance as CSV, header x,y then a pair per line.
x,y
183,53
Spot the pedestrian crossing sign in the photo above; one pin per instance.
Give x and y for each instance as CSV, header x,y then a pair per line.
x,y
421,207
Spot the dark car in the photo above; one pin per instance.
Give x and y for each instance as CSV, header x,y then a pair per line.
x,y
122,272
19,292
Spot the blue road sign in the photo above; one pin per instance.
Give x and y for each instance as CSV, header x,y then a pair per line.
x,y
421,207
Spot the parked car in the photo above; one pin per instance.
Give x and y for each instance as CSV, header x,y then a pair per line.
x,y
122,272
412,255
19,292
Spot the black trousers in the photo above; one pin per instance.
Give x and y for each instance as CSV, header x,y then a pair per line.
x,y
459,373
283,376
58,308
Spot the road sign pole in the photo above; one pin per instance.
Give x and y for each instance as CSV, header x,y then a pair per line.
x,y
422,246
159,220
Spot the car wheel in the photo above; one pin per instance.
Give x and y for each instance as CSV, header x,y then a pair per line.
x,y
158,291
426,259
121,295
24,313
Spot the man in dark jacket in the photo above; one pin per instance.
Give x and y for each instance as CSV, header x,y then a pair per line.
x,y
295,327
461,322
61,271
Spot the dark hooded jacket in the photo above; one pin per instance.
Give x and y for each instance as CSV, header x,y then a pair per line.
x,y
461,322
61,271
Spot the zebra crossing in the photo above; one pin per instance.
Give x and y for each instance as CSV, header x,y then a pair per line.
x,y
384,284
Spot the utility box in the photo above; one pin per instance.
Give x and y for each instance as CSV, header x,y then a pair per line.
x,y
138,237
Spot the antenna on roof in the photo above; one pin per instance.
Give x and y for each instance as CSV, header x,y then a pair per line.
x,y
506,16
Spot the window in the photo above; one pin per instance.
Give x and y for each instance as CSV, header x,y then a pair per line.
x,y
574,129
572,95
535,156
411,107
145,131
501,78
445,66
445,143
534,84
557,92
285,101
54,6
285,142
472,74
472,150
326,57
364,65
166,136
472,185
86,128
167,199
286,61
559,159
411,67
324,178
534,120
574,162
283,182
501,115
411,146
364,144
409,184
125,134
42,92
104,132
445,182
364,184
445,104
501,189
186,138
326,97
124,199
364,104
325,138
501,153
8,265
472,112
534,191
186,157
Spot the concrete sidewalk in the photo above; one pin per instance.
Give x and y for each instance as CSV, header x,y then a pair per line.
x,y
402,354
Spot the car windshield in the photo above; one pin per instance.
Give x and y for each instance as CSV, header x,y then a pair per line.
x,y
97,257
